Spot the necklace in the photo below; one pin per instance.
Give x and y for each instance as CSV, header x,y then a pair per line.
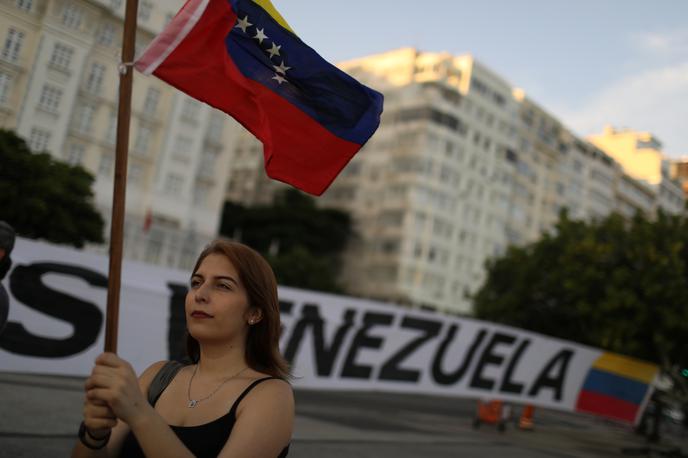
x,y
194,402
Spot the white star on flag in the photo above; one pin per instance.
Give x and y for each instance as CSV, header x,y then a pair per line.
x,y
274,51
281,68
243,24
279,78
260,35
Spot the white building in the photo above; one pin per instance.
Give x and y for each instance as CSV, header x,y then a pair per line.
x,y
462,166
58,89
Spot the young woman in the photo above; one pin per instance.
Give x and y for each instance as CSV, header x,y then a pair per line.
x,y
233,401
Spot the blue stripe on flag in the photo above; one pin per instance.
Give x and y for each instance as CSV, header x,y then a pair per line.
x,y
297,73
615,386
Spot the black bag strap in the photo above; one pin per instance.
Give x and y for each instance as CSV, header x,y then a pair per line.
x,y
162,379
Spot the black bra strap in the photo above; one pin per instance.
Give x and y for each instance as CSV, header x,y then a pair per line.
x,y
162,379
248,389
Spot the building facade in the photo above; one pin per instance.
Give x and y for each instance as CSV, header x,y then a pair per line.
x,y
59,79
462,166
640,156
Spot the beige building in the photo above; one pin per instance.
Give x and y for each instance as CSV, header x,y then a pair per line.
x,y
462,166
58,89
640,156
678,170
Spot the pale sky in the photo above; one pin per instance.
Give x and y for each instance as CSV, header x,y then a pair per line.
x,y
588,62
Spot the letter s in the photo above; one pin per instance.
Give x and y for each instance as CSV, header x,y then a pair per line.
x,y
87,319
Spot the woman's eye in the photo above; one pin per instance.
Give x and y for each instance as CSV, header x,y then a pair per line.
x,y
225,286
194,283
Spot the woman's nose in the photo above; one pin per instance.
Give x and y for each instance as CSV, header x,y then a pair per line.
x,y
201,294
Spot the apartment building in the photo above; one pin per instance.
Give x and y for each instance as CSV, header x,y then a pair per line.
x,y
640,156
678,170
462,166
59,79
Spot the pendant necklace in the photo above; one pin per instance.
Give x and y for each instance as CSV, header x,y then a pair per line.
x,y
194,402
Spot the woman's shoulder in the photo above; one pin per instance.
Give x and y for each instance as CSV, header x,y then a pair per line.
x,y
263,398
266,389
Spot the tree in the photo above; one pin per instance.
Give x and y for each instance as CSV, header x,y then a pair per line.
x,y
303,243
618,284
44,198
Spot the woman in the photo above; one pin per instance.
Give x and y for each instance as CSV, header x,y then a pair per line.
x,y
233,400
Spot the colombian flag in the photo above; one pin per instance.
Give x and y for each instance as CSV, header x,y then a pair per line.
x,y
616,387
241,57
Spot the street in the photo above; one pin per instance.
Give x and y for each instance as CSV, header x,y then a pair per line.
x,y
40,416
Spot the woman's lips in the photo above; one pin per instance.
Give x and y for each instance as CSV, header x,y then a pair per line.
x,y
198,314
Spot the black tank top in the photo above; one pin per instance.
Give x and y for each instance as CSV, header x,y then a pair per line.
x,y
204,440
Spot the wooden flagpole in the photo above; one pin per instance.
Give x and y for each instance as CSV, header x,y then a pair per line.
x,y
126,82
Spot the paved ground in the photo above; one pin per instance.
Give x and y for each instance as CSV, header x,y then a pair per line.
x,y
40,414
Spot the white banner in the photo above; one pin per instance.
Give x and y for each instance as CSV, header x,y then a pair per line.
x,y
56,322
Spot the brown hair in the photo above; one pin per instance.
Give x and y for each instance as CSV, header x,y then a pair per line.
x,y
258,279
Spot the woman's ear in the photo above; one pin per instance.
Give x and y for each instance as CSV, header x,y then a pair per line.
x,y
254,316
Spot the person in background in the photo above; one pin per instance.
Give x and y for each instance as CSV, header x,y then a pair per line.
x,y
233,400
7,237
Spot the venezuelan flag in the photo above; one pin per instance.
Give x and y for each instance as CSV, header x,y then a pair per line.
x,y
616,387
242,57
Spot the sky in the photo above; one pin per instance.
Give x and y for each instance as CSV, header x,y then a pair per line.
x,y
587,62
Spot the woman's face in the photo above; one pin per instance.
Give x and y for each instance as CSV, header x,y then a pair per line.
x,y
217,306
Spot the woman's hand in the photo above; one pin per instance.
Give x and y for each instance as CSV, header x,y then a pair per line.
x,y
98,418
113,386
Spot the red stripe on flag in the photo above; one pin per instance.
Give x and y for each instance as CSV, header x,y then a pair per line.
x,y
299,151
600,404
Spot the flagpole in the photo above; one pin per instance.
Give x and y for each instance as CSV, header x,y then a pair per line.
x,y
119,193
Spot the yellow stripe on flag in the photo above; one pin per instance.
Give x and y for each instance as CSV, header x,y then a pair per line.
x,y
267,6
626,367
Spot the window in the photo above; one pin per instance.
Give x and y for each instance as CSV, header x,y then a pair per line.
x,y
201,192
431,114
174,184
206,167
577,166
142,139
154,247
94,82
135,174
106,34
71,16
5,86
75,154
111,135
84,120
61,57
39,139
13,44
145,8
107,161
24,5
150,103
50,98
182,149
215,127
191,110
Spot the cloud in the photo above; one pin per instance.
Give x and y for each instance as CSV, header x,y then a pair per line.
x,y
666,44
655,101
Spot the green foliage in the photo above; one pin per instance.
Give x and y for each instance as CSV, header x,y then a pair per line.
x,y
302,242
616,284
44,198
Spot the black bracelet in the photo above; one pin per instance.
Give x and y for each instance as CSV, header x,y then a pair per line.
x,y
83,432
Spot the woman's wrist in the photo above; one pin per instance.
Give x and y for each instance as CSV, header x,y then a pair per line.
x,y
93,441
98,436
141,419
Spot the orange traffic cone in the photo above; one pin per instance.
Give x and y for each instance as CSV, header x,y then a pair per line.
x,y
526,420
